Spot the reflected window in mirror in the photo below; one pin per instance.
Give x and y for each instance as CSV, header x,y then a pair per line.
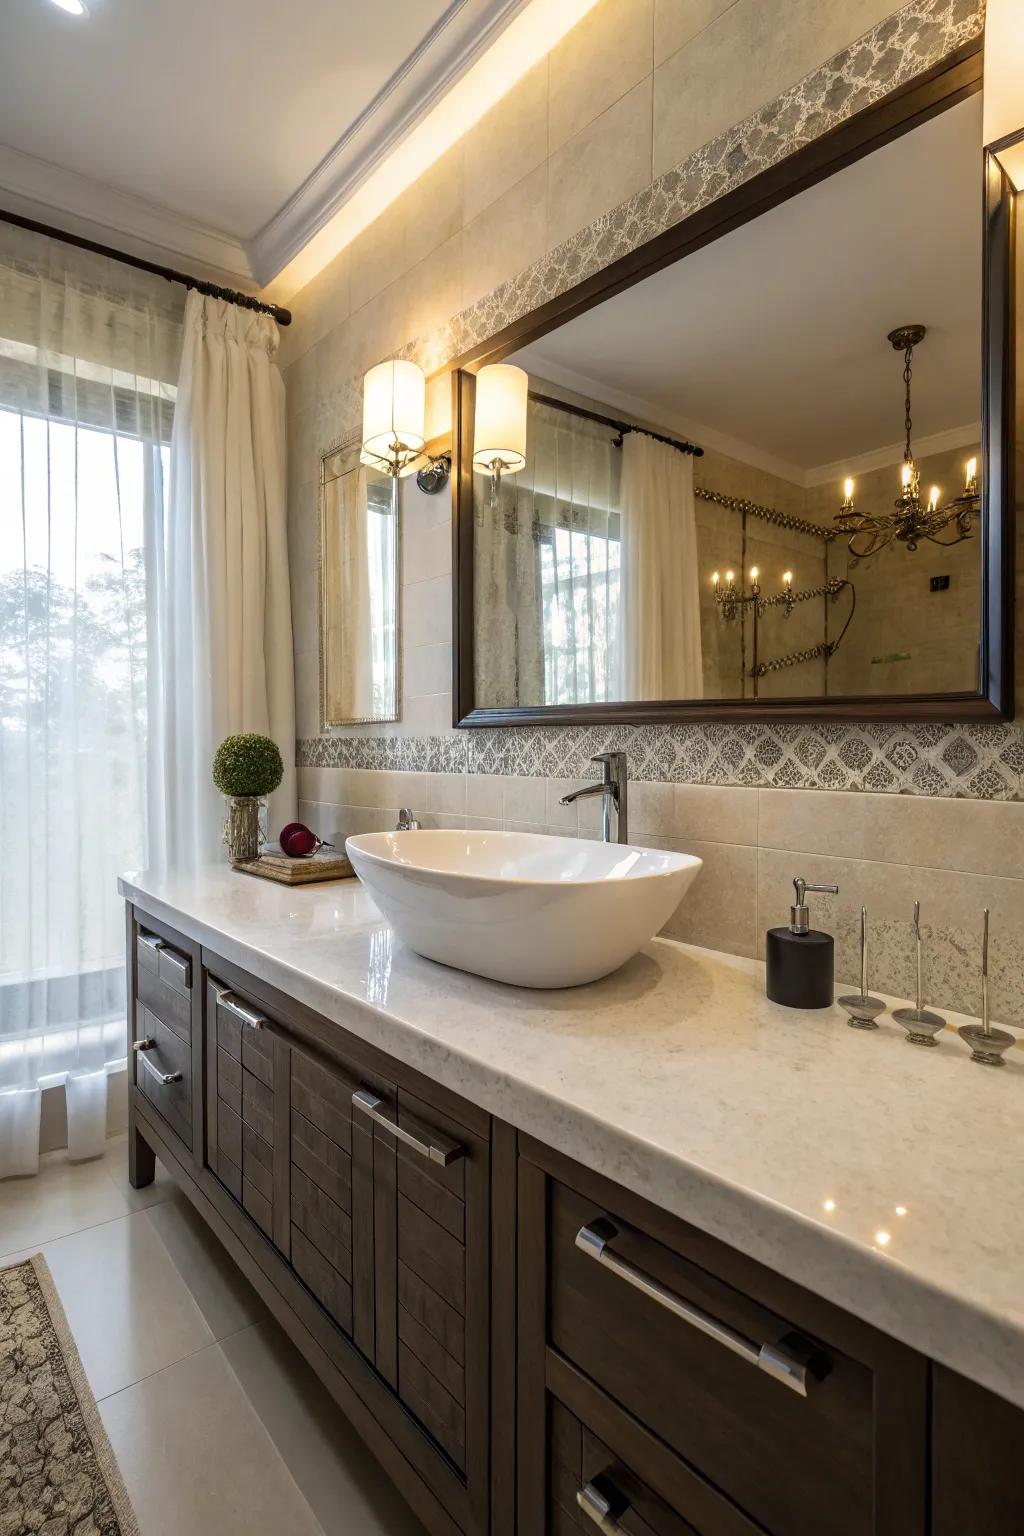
x,y
359,592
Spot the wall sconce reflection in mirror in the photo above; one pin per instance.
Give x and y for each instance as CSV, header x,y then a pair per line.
x,y
499,427
394,413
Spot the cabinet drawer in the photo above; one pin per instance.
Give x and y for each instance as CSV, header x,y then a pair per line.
x,y
163,1071
626,1479
164,982
660,1335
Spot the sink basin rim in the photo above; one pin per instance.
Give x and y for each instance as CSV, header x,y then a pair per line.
x,y
367,844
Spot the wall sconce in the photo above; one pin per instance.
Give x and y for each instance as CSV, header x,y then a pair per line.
x,y
499,427
1003,100
394,411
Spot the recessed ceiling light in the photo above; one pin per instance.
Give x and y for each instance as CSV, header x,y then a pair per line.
x,y
73,7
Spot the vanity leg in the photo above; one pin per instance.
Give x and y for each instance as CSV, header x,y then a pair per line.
x,y
141,1159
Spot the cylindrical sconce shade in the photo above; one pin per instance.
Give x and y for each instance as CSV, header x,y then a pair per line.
x,y
394,396
1003,99
499,429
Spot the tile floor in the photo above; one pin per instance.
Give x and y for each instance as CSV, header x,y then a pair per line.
x,y
217,1423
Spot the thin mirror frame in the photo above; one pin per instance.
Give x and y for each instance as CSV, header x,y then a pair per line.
x,y
347,457
954,80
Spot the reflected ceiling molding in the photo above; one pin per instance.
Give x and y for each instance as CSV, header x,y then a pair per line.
x,y
648,414
492,44
892,453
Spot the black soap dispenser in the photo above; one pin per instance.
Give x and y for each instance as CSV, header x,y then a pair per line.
x,y
800,969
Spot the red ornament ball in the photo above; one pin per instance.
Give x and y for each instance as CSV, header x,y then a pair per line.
x,y
298,841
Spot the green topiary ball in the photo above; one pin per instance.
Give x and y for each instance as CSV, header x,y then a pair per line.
x,y
247,765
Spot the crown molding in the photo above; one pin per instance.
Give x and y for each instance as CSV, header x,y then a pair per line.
x,y
81,206
452,45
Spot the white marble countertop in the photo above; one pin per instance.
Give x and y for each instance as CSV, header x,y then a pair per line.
x,y
888,1179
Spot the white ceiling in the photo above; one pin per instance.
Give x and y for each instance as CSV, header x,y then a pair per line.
x,y
775,335
192,123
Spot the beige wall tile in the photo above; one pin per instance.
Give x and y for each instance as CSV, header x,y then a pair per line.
x,y
720,908
604,56
427,612
426,549
307,692
505,237
510,141
602,166
716,813
483,795
750,54
813,821
984,837
446,792
382,787
651,809
422,218
677,21
426,669
523,800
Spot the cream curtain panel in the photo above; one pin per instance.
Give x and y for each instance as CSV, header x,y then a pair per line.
x,y
661,647
225,630
89,354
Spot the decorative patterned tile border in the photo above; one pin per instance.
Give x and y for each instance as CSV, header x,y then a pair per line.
x,y
975,762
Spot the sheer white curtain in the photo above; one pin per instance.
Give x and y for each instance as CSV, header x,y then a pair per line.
x,y
89,353
224,612
661,646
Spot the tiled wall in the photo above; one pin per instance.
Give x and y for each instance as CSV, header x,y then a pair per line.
x,y
622,131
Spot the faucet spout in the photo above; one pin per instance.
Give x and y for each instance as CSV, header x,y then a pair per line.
x,y
612,789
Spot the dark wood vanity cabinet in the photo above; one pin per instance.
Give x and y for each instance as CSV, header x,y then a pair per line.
x,y
527,1348
686,1389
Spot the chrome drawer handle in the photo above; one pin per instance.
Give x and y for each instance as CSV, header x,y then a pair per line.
x,y
229,1002
439,1151
146,1044
599,1507
162,1077
771,1358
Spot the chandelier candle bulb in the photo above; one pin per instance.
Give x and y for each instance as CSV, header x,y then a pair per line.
x,y
971,477
847,495
933,498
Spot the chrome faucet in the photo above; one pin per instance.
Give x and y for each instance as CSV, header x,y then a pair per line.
x,y
614,779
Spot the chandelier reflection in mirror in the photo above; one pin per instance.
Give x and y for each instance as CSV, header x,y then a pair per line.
x,y
911,519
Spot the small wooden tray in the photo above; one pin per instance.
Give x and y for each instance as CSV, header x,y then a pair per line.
x,y
272,864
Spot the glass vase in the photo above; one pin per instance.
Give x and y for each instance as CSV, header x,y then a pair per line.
x,y
245,827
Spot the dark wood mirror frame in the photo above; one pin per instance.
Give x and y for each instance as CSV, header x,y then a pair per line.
x,y
957,78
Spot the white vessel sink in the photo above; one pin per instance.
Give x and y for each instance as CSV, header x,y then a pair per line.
x,y
520,907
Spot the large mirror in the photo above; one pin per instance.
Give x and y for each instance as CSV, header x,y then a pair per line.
x,y
762,478
359,592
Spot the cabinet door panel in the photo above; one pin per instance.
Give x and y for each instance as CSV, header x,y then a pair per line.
x,y
249,1069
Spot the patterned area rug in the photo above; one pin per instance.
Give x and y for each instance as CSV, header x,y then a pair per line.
x,y
58,1476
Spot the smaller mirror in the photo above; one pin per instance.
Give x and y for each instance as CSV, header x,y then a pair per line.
x,y
359,617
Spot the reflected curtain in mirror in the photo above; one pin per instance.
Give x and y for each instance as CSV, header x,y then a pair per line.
x,y
359,551
661,649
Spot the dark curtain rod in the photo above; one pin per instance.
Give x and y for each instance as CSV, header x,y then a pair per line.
x,y
243,300
621,427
